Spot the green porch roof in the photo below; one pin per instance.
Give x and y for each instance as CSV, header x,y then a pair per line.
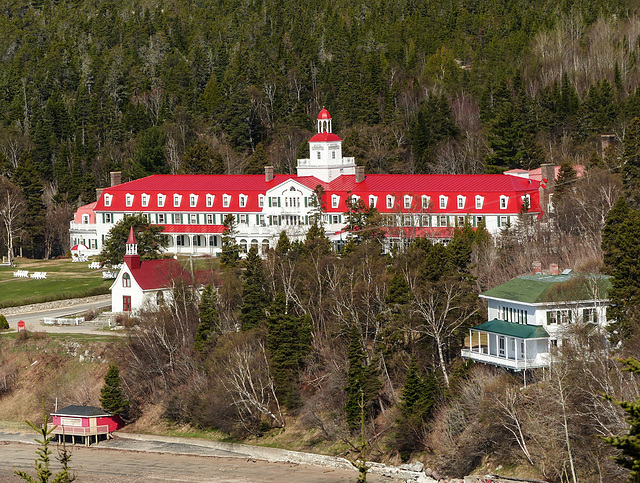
x,y
534,289
521,331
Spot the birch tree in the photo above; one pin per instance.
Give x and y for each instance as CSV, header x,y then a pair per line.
x,y
12,205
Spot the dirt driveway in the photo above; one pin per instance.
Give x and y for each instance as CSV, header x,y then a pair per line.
x,y
111,466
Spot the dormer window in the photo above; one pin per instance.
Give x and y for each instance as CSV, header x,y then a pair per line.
x,y
355,199
193,200
145,199
479,202
226,201
426,201
107,199
210,201
243,201
85,219
407,202
390,201
161,199
461,201
261,201
335,201
504,200
177,199
129,199
373,201
443,202
526,201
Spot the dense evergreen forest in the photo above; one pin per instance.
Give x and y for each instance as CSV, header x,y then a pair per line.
x,y
354,353
229,86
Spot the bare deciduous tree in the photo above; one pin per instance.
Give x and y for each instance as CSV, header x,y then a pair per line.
x,y
12,204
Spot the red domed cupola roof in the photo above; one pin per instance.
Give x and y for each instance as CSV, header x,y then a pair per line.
x,y
324,114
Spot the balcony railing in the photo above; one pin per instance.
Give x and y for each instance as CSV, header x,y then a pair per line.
x,y
541,360
78,430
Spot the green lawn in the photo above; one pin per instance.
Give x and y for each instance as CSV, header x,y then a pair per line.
x,y
65,279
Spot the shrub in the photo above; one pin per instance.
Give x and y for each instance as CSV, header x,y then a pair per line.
x,y
4,325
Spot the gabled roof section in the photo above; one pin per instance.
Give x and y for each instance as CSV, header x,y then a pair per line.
x,y
540,289
521,331
82,412
157,274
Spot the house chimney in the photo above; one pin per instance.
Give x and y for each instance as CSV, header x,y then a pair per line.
x,y
268,173
536,268
359,174
607,141
553,269
99,193
116,178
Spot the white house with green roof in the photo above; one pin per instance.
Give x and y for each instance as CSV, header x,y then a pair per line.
x,y
529,314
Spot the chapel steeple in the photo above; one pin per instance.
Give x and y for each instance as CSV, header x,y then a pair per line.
x,y
131,257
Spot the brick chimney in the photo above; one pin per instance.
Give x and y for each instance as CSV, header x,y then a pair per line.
x,y
553,269
268,173
99,193
536,268
606,141
116,178
359,174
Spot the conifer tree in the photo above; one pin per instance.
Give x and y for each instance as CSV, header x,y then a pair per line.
x,y
289,342
565,177
257,161
316,240
629,444
631,163
209,320
362,382
283,245
230,253
398,293
112,396
201,159
254,294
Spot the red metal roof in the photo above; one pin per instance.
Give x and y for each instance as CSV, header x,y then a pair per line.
x,y
324,137
489,186
324,114
162,273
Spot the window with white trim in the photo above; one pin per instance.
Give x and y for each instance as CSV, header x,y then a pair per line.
x,y
443,202
504,201
479,202
426,201
145,199
461,201
261,201
177,199
210,219
226,201
244,219
193,200
193,219
129,199
161,199
373,200
408,199
243,201
107,199
526,199
160,218
107,217
390,201
210,199
85,219
335,201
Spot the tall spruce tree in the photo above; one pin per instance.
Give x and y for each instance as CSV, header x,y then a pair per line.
x,y
289,342
206,332
254,293
230,253
631,163
362,382
629,444
112,396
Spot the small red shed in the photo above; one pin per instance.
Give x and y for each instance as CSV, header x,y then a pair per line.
x,y
85,421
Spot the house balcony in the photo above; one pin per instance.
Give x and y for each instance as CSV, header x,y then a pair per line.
x,y
89,228
541,360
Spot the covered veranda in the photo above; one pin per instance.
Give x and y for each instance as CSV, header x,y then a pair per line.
x,y
507,344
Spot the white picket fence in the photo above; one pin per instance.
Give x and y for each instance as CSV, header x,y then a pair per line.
x,y
21,273
39,275
62,321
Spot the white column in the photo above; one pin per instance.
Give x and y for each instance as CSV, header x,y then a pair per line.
x,y
191,243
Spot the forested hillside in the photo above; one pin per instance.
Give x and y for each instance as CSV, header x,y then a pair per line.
x,y
229,86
